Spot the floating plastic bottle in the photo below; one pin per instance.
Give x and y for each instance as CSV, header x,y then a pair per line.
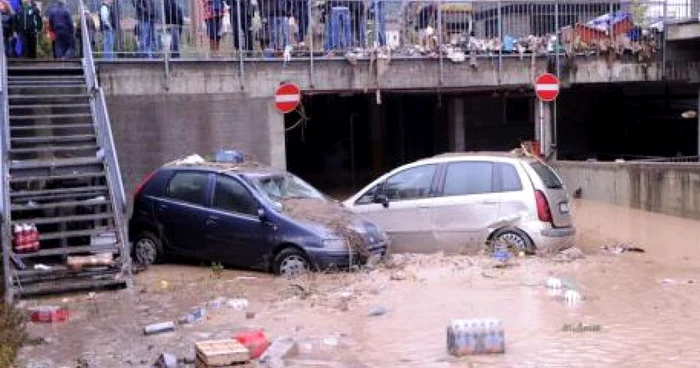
x,y
478,336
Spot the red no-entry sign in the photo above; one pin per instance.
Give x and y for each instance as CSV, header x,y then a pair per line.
x,y
547,87
287,97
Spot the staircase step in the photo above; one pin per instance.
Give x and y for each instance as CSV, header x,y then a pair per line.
x,y
71,250
73,196
55,149
32,164
76,234
56,126
49,116
26,207
45,85
74,284
67,138
32,193
20,179
47,97
65,219
51,106
40,78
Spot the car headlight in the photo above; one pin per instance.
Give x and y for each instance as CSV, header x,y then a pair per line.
x,y
335,243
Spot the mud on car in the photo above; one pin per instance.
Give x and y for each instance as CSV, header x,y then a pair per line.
x,y
246,215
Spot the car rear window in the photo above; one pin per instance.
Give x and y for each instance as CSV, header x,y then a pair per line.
x,y
549,178
188,187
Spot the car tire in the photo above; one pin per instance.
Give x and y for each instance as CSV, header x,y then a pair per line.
x,y
148,249
514,237
291,262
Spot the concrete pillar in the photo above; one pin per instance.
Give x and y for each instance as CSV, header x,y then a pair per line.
x,y
376,135
543,117
456,120
277,137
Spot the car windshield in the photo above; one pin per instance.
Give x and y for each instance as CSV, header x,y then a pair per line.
x,y
284,186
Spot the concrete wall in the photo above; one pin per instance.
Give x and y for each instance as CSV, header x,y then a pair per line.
x,y
150,130
669,188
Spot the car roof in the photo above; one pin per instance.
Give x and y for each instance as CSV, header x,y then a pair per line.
x,y
251,168
505,156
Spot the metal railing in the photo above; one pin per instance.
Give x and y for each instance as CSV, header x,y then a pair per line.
x,y
303,29
674,159
5,206
98,108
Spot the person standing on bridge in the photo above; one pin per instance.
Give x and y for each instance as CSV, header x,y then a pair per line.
x,y
146,13
28,24
174,19
61,23
213,14
7,14
108,22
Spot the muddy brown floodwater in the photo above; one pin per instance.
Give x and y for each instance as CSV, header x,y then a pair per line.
x,y
644,322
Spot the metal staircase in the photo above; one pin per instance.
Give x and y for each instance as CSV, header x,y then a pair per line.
x,y
61,174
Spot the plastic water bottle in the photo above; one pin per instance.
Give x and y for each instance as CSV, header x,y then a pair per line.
x,y
554,283
470,337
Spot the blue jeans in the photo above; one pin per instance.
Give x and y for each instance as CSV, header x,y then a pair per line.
x,y
380,22
147,39
339,29
174,32
108,43
280,33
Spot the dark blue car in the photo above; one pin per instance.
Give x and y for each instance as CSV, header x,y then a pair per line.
x,y
246,216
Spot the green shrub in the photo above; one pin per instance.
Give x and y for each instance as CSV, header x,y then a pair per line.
x,y
12,333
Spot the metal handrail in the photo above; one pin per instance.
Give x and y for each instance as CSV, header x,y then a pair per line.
x,y
5,168
98,107
101,119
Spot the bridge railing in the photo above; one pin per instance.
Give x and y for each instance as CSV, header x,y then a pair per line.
x,y
306,29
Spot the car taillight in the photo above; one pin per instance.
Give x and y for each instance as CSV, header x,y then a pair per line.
x,y
143,183
543,212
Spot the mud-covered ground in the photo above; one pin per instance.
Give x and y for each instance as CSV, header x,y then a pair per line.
x,y
645,303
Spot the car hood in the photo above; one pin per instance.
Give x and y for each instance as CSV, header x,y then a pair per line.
x,y
330,218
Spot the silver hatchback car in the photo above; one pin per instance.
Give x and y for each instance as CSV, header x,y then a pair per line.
x,y
458,202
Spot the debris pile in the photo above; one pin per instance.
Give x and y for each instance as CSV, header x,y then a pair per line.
x,y
332,215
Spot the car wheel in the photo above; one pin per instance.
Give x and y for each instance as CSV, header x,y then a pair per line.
x,y
148,249
291,262
514,238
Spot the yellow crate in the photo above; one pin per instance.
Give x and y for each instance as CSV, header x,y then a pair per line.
x,y
221,353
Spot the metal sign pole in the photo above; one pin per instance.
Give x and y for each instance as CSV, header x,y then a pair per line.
x,y
542,132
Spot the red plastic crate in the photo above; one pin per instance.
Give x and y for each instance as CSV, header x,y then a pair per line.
x,y
49,314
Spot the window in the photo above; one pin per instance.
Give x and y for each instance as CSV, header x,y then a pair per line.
x,y
368,197
189,187
232,196
411,183
510,180
549,178
468,178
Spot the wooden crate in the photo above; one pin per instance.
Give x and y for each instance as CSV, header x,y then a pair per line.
x,y
221,353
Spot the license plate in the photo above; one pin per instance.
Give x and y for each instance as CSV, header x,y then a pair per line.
x,y
564,207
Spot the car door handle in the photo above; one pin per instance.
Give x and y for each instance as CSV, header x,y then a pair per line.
x,y
212,220
423,206
162,207
488,202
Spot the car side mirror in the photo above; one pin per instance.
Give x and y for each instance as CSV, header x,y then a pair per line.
x,y
383,199
262,215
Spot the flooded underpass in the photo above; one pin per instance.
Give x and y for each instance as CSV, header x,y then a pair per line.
x,y
645,304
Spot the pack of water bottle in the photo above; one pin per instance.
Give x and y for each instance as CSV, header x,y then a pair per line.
x,y
475,336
